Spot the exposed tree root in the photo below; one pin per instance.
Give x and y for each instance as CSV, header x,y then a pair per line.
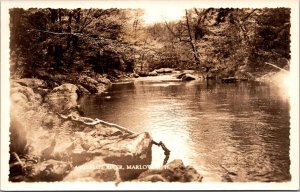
x,y
19,162
166,150
92,122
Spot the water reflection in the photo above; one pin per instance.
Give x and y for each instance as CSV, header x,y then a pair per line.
x,y
241,127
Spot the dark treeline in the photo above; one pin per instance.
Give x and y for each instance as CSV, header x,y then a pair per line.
x,y
219,42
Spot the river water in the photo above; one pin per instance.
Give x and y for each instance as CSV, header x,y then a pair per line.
x,y
241,127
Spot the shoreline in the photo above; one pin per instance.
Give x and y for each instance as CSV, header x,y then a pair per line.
x,y
44,114
47,147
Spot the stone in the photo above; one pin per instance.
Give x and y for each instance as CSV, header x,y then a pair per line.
x,y
82,90
19,99
188,77
192,174
103,80
92,85
135,75
164,70
143,74
49,170
174,171
14,84
32,83
25,91
94,170
63,97
153,73
153,178
115,148
24,96
188,71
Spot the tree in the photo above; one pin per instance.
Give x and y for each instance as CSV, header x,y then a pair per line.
x,y
57,38
191,41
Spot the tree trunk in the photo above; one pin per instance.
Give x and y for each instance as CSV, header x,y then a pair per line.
x,y
77,20
197,60
69,30
58,54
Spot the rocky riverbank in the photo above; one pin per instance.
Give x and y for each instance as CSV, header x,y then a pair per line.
x,y
51,141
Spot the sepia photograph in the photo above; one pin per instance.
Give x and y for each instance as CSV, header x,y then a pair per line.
x,y
165,94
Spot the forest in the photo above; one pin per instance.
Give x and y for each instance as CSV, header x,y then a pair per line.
x,y
216,42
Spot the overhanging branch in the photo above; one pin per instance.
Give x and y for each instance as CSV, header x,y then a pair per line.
x,y
56,33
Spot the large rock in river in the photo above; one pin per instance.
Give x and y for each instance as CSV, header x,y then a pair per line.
x,y
174,171
153,73
165,70
131,151
188,77
93,85
63,97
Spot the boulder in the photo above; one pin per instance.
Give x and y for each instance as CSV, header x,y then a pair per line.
x,y
50,170
188,77
153,73
14,84
95,170
153,178
32,83
92,85
174,171
164,70
188,71
179,76
102,79
135,75
27,92
24,96
82,90
116,148
63,97
143,74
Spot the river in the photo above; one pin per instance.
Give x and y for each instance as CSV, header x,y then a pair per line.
x,y
240,127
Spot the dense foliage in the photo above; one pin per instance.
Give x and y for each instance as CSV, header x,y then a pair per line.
x,y
219,42
63,39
